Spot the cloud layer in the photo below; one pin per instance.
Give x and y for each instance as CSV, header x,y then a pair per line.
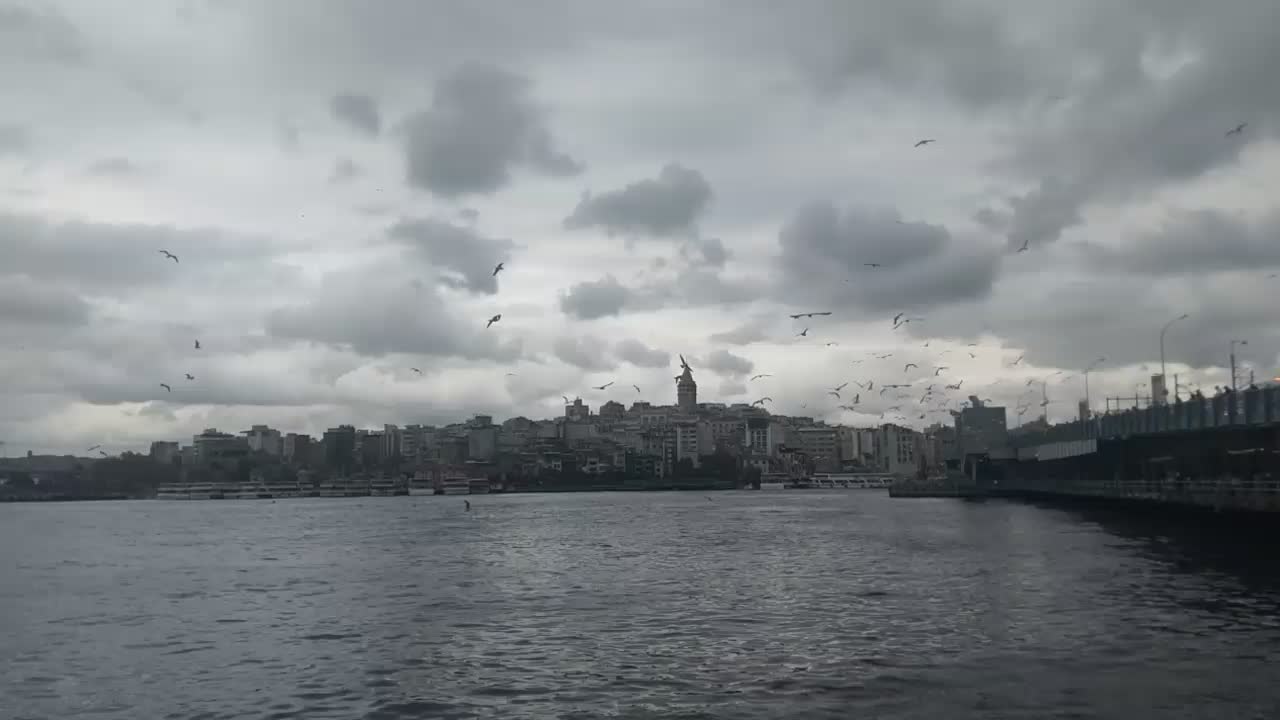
x,y
340,185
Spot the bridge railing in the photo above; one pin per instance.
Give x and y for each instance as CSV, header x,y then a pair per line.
x,y
1255,406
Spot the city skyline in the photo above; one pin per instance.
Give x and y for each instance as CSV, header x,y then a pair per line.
x,y
308,168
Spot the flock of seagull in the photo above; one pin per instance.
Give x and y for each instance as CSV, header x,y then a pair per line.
x,y
932,399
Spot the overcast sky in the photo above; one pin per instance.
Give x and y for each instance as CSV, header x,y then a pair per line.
x,y
339,178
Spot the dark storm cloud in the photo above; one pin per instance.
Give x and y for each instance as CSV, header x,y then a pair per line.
x,y
596,299
587,353
1164,129
723,362
13,139
98,257
667,206
1192,242
44,35
344,170
366,313
24,301
482,124
466,257
114,167
357,111
641,355
825,254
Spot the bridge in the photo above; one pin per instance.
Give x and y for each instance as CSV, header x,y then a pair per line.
x,y
1220,453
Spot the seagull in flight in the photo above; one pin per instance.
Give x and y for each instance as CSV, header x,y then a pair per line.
x,y
762,401
498,268
197,344
637,387
1025,243
166,387
841,386
95,447
604,386
972,355
761,375
956,386
832,343
897,317
1015,362
922,143
494,319
938,370
511,374
803,333
871,265
169,255
416,370
1237,129
190,376
908,366
797,316
566,399
102,453
833,392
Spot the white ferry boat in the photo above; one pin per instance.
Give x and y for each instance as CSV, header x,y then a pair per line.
x,y
185,491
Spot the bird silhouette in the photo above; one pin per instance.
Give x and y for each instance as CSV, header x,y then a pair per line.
x,y
803,333
166,387
896,318
1237,129
169,255
841,386
190,376
95,447
416,370
830,344
938,370
797,316
1025,243
924,142
637,387
494,319
908,366
761,375
102,453
498,268
1015,362
833,392
871,265
956,386
762,401
604,386
511,375
566,399
197,344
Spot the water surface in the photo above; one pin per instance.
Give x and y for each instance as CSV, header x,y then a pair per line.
x,y
794,604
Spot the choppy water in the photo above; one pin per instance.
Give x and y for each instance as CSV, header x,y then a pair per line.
x,y
744,605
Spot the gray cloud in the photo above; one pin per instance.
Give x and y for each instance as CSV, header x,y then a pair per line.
x,y
26,302
587,353
745,334
43,35
663,207
723,362
107,258
825,254
13,139
288,136
358,111
355,310
466,257
114,167
596,299
709,252
732,388
481,125
1194,242
344,170
641,355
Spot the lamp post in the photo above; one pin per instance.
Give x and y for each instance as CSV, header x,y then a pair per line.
x,y
1232,349
1164,390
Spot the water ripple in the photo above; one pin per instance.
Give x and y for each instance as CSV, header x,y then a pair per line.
x,y
755,605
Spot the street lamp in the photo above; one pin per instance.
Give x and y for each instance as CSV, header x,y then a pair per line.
x,y
1086,372
1233,361
1164,385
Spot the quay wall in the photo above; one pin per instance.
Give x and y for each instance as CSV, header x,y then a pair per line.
x,y
1224,467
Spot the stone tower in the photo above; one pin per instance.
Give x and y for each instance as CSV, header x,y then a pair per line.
x,y
686,388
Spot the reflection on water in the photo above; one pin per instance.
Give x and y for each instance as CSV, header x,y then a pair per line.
x,y
748,605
